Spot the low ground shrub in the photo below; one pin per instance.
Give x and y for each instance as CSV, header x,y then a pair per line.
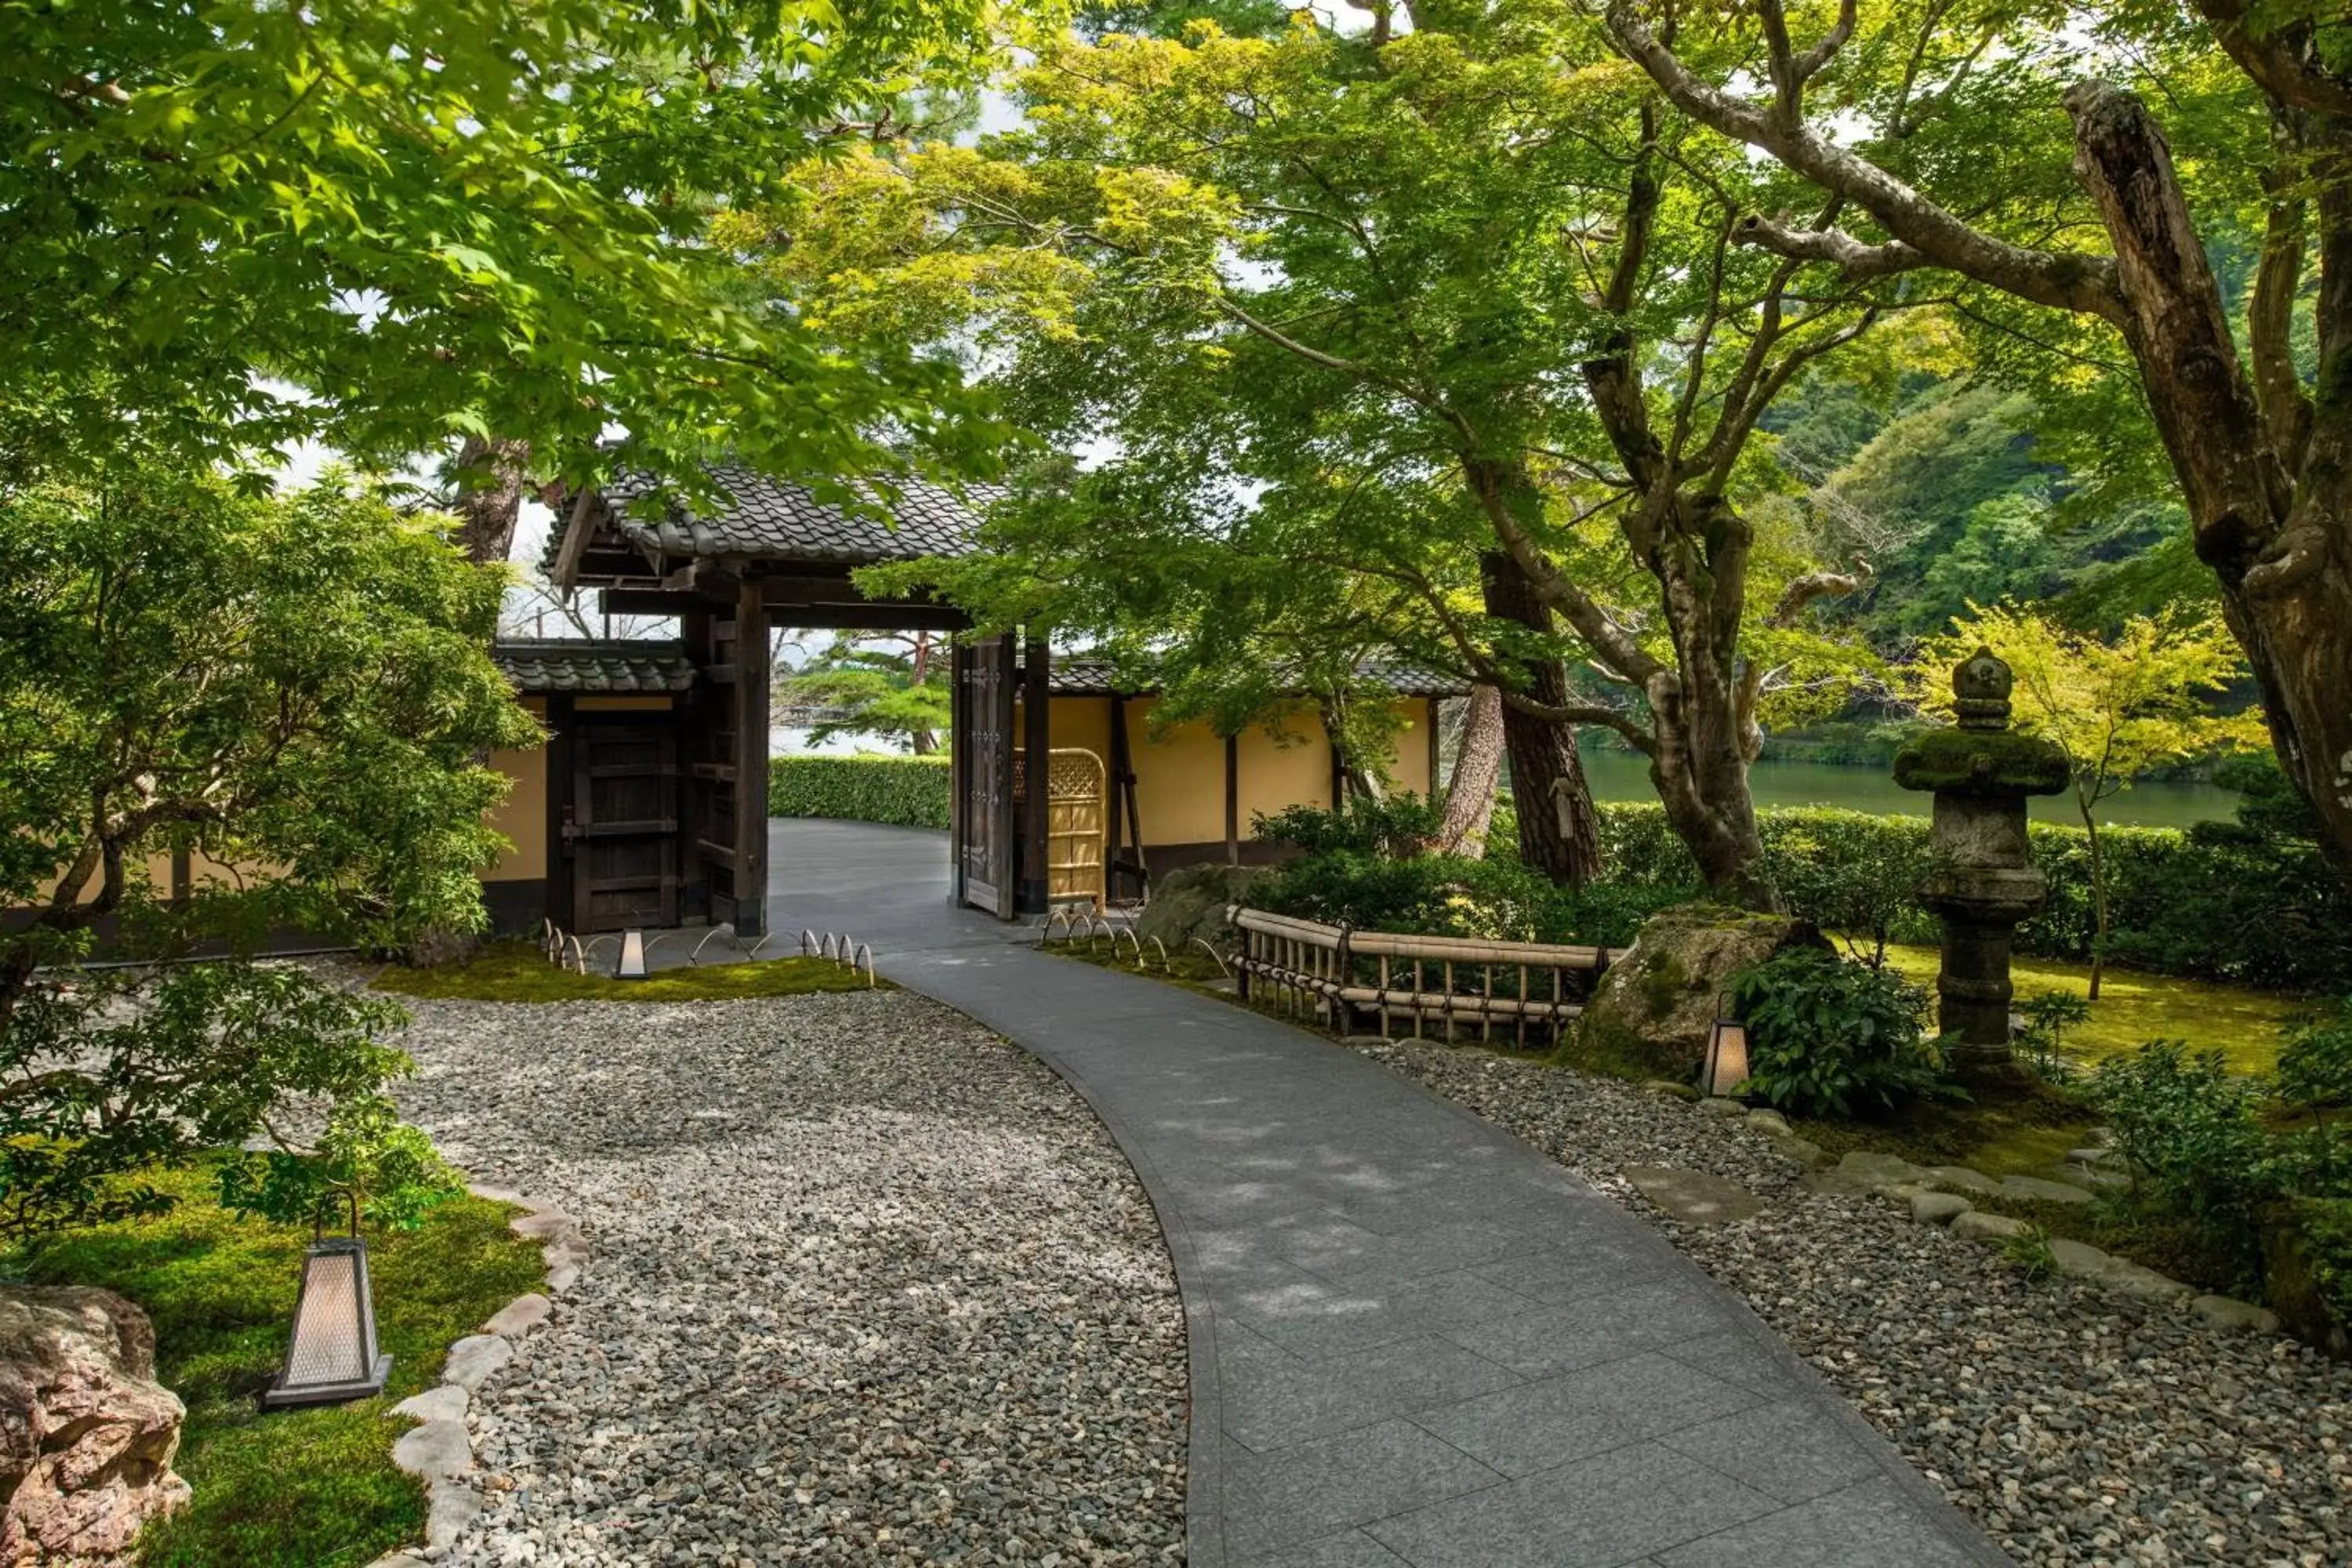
x,y
1437,895
1828,1037
906,791
2217,901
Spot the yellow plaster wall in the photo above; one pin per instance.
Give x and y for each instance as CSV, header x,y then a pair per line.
x,y
1278,772
522,815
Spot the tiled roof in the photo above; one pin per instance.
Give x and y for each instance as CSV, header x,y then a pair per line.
x,y
1079,675
770,519
545,667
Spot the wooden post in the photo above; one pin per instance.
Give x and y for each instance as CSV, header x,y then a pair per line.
x,y
1233,800
750,693
1429,710
958,764
1339,772
559,805
690,717
1037,763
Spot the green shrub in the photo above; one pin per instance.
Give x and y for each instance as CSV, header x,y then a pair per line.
x,y
1825,1033
908,792
2191,1131
2215,903
2315,1065
1399,827
1497,898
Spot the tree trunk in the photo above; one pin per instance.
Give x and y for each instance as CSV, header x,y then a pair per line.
x,y
2269,490
2098,902
1477,770
489,500
1559,833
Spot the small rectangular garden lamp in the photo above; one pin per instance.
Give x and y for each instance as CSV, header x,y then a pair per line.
x,y
633,956
332,1357
1727,1057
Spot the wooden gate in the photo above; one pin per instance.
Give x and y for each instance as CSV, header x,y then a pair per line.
x,y
1077,827
982,820
620,828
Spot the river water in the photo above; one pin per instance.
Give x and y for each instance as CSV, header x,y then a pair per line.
x,y
1620,775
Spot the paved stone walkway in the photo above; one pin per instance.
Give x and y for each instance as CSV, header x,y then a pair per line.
x,y
1414,1339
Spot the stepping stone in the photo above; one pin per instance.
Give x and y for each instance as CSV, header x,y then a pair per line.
x,y
1978,1226
436,1448
1771,1122
472,1360
442,1402
1867,1171
1940,1208
1961,1179
2081,1261
519,1315
2034,1190
2241,1317
1723,1106
1694,1196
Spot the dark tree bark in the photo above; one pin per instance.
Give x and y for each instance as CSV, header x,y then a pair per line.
x,y
1559,833
489,497
1477,772
2263,463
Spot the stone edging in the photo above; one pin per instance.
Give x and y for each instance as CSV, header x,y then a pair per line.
x,y
1934,1197
440,1452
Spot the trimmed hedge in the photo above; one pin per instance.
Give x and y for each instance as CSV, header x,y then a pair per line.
x,y
2213,902
908,792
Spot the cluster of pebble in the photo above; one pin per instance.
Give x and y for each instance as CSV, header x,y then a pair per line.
x,y
869,1286
2079,1423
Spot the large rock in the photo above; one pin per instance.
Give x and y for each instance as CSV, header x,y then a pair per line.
x,y
87,1435
1191,901
1653,1009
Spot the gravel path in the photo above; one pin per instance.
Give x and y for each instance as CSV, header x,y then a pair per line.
x,y
2078,1428
868,1286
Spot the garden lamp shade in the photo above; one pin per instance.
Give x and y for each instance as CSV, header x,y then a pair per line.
x,y
1727,1057
332,1356
633,956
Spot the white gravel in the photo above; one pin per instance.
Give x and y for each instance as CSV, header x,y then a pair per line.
x,y
867,1285
2077,1426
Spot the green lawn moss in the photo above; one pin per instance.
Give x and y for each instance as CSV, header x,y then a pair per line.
x,y
299,1489
2134,1008
517,972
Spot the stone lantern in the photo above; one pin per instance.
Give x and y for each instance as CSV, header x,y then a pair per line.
x,y
1983,882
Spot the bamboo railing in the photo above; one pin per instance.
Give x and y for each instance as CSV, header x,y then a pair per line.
x,y
1333,973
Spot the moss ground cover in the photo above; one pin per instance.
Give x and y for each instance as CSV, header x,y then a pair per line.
x,y
300,1488
2134,1008
516,972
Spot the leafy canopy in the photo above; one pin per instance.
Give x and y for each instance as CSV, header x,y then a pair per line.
x,y
1294,300
291,696
387,224
2115,707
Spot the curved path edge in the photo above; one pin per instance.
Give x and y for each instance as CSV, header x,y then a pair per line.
x,y
1413,1339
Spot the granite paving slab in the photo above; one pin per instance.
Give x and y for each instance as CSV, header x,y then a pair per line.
x,y
1414,1339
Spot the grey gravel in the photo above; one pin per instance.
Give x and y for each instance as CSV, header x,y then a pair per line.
x,y
2078,1425
864,1284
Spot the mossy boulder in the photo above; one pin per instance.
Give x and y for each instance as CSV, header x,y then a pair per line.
x,y
1191,901
1652,1014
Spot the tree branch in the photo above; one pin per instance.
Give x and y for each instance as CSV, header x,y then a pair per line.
x,y
2064,281
2289,75
1852,258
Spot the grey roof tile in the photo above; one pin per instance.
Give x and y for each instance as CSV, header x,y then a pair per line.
x,y
774,520
1075,675
554,666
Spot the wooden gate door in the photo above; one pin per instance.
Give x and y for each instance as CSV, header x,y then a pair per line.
x,y
622,826
982,735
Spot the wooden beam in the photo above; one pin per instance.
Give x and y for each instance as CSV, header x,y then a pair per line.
x,y
559,803
1429,717
959,733
1037,742
750,694
885,617
1233,800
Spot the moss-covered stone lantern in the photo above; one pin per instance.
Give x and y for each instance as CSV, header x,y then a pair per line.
x,y
1984,883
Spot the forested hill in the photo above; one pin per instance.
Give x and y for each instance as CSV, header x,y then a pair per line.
x,y
1939,485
